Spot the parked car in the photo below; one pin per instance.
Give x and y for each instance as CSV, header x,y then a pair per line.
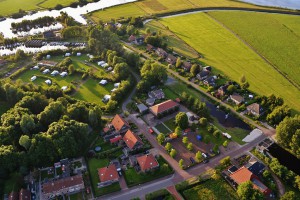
x,y
192,160
120,173
205,161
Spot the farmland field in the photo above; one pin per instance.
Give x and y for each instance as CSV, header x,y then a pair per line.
x,y
276,37
229,55
151,7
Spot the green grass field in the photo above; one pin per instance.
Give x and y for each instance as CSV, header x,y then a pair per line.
x,y
276,37
151,7
162,129
212,189
225,52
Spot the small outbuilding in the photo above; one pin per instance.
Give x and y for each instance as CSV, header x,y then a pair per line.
x,y
142,108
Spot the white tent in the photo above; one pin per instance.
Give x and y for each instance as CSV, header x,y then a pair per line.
x,y
67,54
54,73
101,63
48,56
64,88
48,82
36,67
116,85
78,54
103,82
106,98
46,71
63,74
33,78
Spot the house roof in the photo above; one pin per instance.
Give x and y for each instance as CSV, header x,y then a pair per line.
x,y
131,38
106,129
13,196
256,168
115,139
150,47
203,73
142,107
166,105
186,65
171,59
108,173
237,97
24,194
131,139
147,162
241,175
118,122
255,107
54,186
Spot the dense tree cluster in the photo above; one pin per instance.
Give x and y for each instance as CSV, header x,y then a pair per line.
x,y
38,130
195,105
26,25
288,134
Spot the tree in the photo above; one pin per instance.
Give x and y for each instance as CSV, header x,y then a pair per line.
x,y
246,191
95,117
266,174
290,195
225,161
111,106
217,133
287,134
195,69
245,85
216,149
160,138
190,146
25,141
178,131
297,182
206,139
52,113
178,62
203,121
173,153
71,69
185,140
148,31
243,79
20,54
231,89
278,114
198,156
181,120
225,143
168,146
181,163
27,124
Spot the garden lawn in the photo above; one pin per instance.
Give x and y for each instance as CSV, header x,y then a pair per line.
x,y
133,178
151,7
169,94
94,164
275,36
3,107
162,129
225,52
91,91
77,196
170,124
44,175
212,189
104,145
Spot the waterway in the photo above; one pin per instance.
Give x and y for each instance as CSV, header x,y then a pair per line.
x,y
290,4
76,13
285,158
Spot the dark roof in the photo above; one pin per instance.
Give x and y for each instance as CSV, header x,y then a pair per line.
x,y
255,107
232,169
203,73
49,34
171,59
142,108
257,168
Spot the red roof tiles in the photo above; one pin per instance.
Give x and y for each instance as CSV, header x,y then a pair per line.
x,y
118,122
147,162
115,139
24,194
108,173
164,106
131,139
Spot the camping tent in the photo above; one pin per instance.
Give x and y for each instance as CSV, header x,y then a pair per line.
x,y
46,71
36,67
103,82
54,73
48,56
48,82
63,74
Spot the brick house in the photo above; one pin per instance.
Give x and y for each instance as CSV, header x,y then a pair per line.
x,y
163,108
132,141
147,162
120,125
108,175
255,109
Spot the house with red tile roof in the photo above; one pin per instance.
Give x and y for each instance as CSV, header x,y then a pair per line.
x,y
116,139
243,174
164,108
147,162
132,140
13,196
120,124
68,185
108,175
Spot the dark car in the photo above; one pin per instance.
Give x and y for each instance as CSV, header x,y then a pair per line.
x,y
205,161
192,160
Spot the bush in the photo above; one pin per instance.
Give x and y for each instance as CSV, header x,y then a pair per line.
x,y
159,194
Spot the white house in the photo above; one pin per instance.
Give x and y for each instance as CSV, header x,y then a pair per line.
x,y
106,98
116,85
100,63
63,74
48,82
48,56
103,82
36,67
54,73
64,88
33,78
46,71
68,54
78,54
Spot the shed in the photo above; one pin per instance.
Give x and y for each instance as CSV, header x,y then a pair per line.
x,y
48,82
142,108
103,82
33,78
